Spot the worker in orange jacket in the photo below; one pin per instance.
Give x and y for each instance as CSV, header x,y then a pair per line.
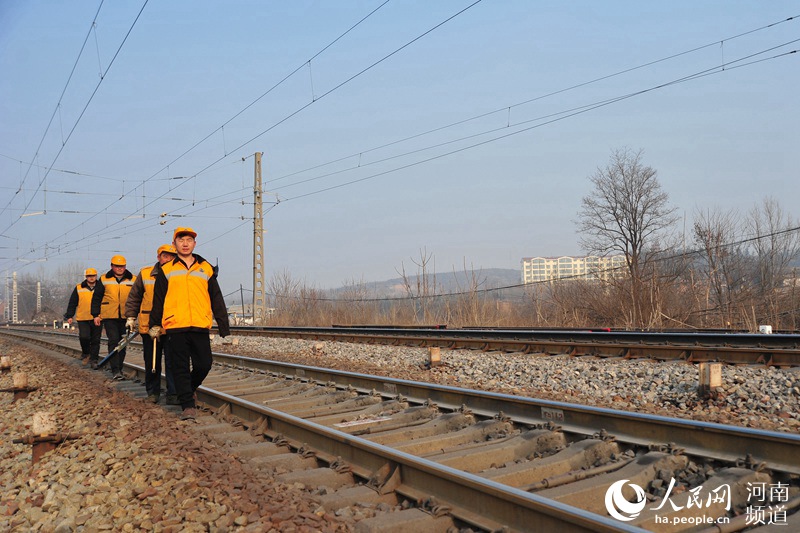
x,y
79,309
108,308
186,301
139,304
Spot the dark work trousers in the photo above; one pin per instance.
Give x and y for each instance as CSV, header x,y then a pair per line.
x,y
191,358
89,335
115,329
152,378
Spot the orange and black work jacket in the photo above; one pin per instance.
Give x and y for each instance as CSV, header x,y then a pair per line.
x,y
188,298
140,299
110,295
80,302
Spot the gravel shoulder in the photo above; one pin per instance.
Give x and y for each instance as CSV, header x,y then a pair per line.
x,y
134,467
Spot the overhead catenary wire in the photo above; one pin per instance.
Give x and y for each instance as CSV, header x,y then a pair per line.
x,y
535,99
160,197
348,80
561,115
98,236
252,103
78,173
716,69
83,111
167,166
268,91
319,98
340,85
727,67
503,108
57,108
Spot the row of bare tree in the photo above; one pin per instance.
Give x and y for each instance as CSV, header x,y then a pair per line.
x,y
673,293
736,272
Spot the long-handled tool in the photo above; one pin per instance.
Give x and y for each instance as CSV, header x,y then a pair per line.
x,y
155,341
123,343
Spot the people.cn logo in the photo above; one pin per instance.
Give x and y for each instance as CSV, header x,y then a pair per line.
x,y
620,508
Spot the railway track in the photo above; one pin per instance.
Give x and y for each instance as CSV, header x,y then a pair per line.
x,y
782,350
457,458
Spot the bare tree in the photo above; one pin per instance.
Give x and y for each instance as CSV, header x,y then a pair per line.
x,y
626,213
724,263
421,289
533,309
470,306
283,292
776,244
355,304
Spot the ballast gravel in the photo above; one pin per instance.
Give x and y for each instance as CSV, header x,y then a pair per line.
x,y
756,397
132,467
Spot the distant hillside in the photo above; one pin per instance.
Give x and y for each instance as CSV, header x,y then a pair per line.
x,y
448,281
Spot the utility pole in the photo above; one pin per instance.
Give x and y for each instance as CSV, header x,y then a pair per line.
x,y
259,297
38,297
241,296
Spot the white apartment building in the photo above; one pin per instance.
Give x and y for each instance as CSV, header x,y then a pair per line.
x,y
585,267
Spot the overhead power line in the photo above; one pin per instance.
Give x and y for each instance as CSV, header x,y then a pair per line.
x,y
166,167
57,107
342,84
80,116
268,91
76,173
507,108
725,67
459,122
592,106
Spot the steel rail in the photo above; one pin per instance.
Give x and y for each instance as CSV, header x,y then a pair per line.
x,y
470,496
731,444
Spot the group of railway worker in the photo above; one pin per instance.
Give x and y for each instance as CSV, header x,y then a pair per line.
x,y
175,301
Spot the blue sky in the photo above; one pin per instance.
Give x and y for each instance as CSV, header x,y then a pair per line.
x,y
408,133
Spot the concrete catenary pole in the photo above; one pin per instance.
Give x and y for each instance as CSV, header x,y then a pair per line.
x,y
7,310
259,297
15,297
